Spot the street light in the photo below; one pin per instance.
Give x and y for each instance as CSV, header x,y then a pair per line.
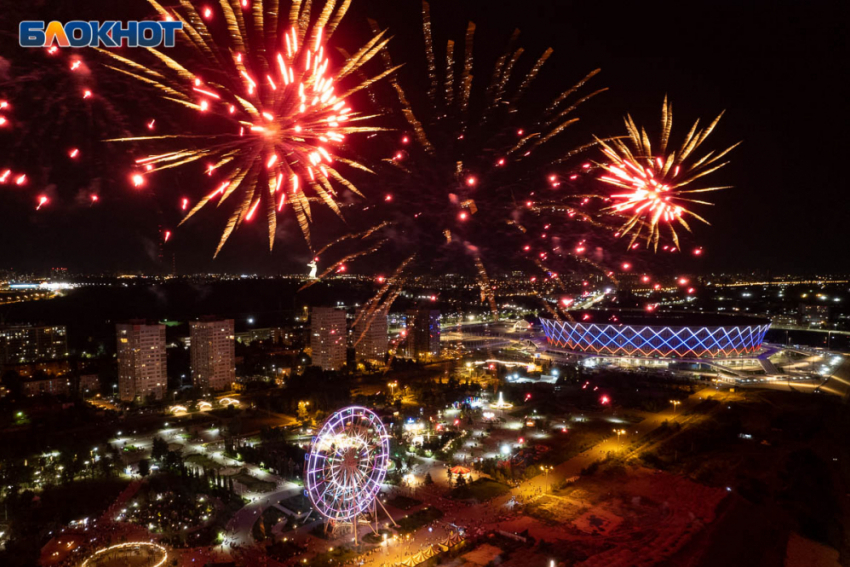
x,y
546,470
675,404
619,432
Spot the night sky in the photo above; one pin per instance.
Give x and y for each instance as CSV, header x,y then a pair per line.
x,y
778,68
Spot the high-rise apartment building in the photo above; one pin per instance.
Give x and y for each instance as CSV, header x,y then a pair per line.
x,y
373,344
141,360
328,337
423,333
814,315
213,351
27,344
53,385
273,335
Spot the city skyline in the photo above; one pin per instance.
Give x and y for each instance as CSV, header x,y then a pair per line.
x,y
397,283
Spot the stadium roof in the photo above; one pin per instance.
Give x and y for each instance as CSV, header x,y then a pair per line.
x,y
663,319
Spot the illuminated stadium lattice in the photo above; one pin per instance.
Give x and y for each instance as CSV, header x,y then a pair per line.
x,y
644,336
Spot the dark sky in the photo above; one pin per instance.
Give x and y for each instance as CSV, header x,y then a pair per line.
x,y
778,68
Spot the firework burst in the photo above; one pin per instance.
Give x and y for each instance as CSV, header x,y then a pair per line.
x,y
276,116
463,161
658,184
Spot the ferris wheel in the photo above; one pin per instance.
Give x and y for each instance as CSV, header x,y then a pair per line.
x,y
347,463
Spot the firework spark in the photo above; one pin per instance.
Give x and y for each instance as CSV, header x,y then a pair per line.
x,y
49,122
657,183
454,176
267,86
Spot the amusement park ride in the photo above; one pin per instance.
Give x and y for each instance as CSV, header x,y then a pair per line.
x,y
346,465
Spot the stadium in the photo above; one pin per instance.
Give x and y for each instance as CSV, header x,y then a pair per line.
x,y
644,335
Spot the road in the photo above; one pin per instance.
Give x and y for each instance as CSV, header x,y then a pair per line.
x,y
239,527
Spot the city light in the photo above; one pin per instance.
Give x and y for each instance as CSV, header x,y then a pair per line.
x,y
439,330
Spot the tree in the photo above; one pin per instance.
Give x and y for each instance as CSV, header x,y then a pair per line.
x,y
302,411
235,426
71,465
105,467
14,383
144,468
159,448
173,460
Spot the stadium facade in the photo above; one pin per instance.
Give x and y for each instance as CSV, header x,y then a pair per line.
x,y
666,336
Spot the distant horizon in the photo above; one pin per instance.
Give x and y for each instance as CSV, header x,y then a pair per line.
x,y
354,274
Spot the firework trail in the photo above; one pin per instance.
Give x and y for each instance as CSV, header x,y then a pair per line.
x,y
460,171
657,185
273,117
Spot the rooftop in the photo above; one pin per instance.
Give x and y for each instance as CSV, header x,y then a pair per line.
x,y
664,319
